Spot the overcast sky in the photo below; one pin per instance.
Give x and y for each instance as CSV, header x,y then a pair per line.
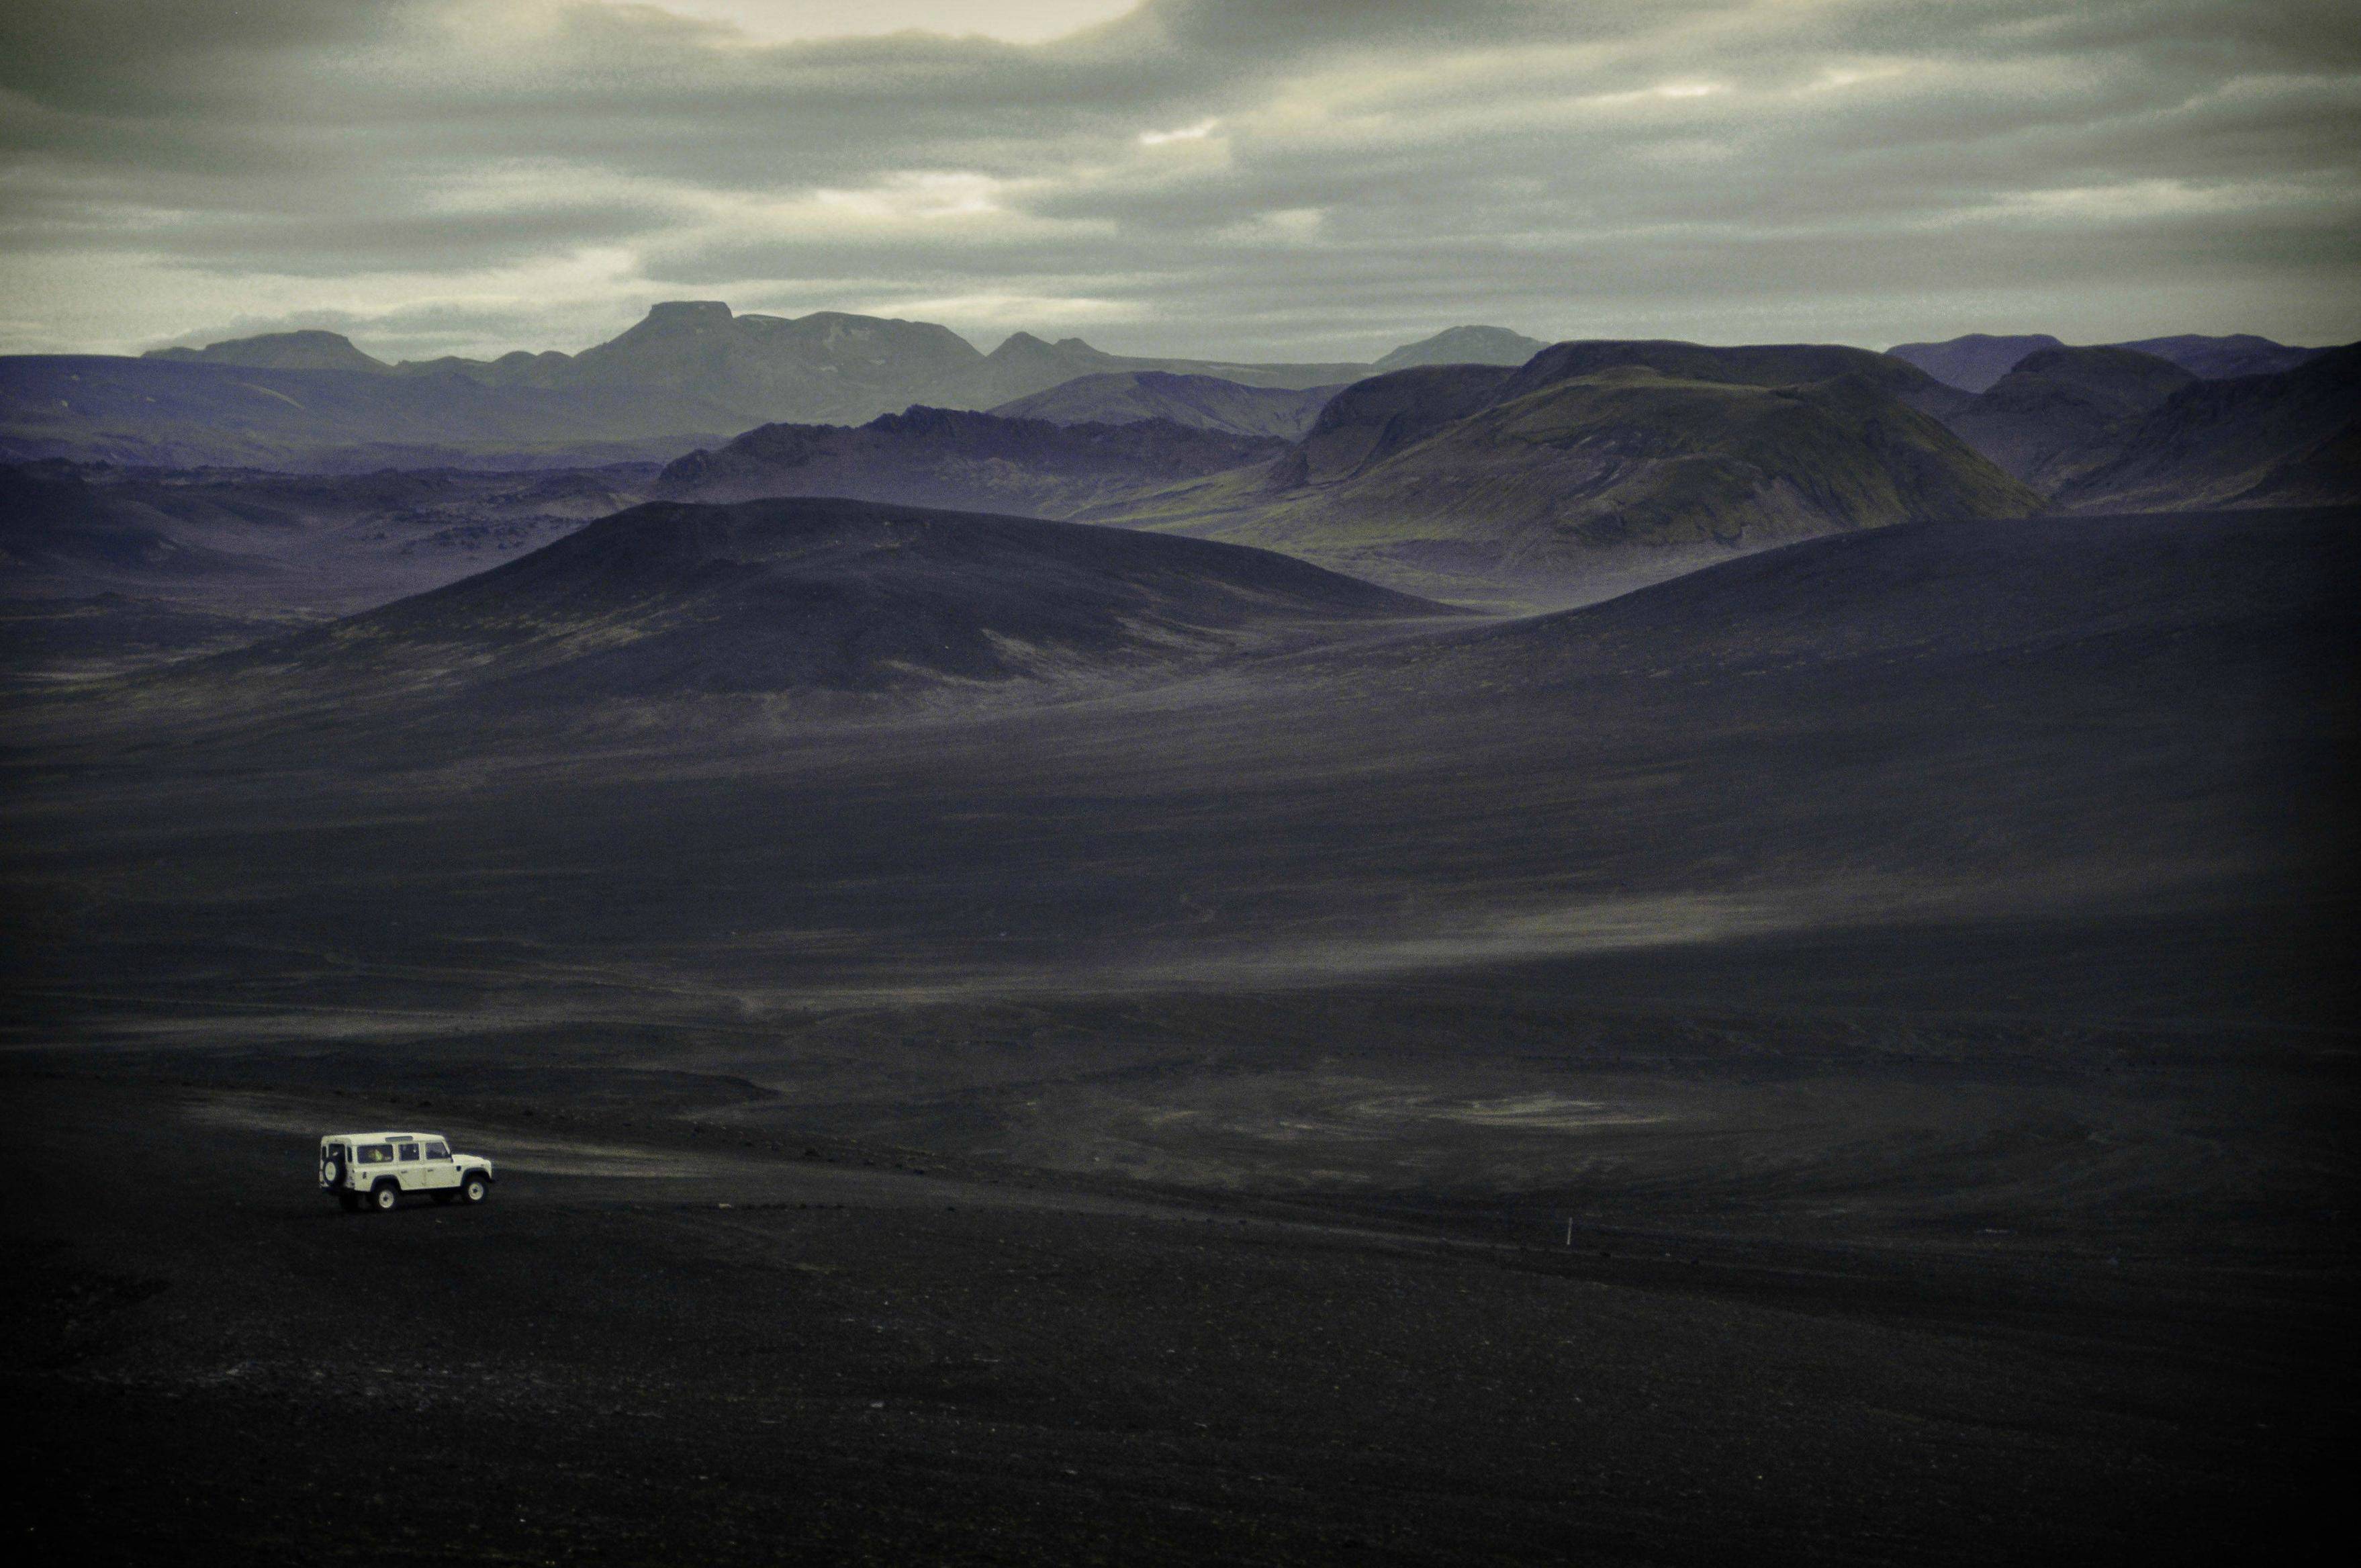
x,y
1281,179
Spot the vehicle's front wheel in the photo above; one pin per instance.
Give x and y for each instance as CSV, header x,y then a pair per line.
x,y
475,1189
385,1198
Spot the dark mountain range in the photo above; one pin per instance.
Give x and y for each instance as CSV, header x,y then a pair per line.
x,y
691,373
818,595
1976,361
1596,464
1205,403
960,461
2288,439
2043,414
1464,345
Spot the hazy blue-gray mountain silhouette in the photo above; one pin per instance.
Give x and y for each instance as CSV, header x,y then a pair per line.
x,y
1975,361
307,350
960,460
1208,402
1464,345
691,373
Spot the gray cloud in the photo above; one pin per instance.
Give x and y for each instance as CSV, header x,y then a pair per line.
x,y
1292,178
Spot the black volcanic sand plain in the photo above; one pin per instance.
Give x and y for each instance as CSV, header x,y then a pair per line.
x,y
1842,1056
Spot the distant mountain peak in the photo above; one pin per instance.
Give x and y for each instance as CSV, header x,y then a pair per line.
x,y
1465,345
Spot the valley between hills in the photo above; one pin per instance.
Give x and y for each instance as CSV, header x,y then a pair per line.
x,y
1628,950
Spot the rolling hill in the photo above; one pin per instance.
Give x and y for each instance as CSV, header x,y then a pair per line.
x,y
1596,465
825,597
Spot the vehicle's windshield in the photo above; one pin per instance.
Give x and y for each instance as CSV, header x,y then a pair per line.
x,y
376,1154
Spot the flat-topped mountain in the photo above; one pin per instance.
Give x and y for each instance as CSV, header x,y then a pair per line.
x,y
961,461
815,595
306,350
1206,402
1595,463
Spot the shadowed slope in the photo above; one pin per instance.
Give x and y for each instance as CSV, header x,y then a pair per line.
x,y
818,595
2039,420
2292,438
1593,467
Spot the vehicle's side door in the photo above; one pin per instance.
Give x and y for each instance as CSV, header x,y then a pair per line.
x,y
439,1170
406,1166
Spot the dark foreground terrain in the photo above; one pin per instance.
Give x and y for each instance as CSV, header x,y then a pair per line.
x,y
1844,1056
663,1346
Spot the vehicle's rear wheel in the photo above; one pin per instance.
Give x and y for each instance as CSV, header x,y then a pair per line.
x,y
475,1189
385,1198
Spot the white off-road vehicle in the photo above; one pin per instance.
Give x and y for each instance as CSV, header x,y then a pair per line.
x,y
372,1170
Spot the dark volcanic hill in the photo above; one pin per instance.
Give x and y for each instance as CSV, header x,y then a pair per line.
x,y
1598,464
2040,417
2289,439
817,597
1464,345
1203,402
969,462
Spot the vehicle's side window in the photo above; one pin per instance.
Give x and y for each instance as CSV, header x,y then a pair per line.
x,y
438,1151
409,1151
376,1154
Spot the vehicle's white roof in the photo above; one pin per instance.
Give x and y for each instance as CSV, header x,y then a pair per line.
x,y
372,1137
